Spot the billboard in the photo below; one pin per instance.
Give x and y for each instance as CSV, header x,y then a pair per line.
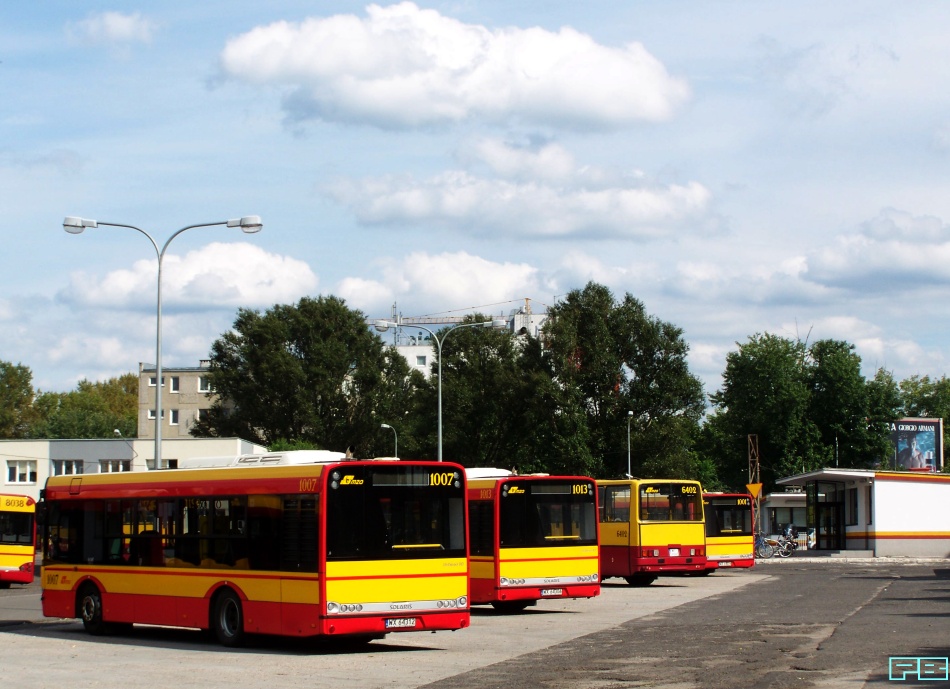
x,y
917,444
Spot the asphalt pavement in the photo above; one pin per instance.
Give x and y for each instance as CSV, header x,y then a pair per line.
x,y
786,624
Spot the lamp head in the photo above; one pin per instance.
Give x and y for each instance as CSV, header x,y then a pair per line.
x,y
382,326
249,224
384,425
629,413
75,225
497,323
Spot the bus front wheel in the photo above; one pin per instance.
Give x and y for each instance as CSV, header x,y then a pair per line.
x,y
227,620
90,609
641,579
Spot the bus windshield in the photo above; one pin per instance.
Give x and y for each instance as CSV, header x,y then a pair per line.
x,y
394,512
547,513
671,502
724,517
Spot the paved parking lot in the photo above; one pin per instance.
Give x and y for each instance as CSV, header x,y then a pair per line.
x,y
789,624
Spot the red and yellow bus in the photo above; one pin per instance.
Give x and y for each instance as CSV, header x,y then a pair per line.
x,y
272,545
729,537
651,528
532,537
17,539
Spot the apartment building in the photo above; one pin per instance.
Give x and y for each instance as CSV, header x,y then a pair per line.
x,y
186,395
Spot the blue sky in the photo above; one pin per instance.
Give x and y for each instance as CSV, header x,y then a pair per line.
x,y
740,167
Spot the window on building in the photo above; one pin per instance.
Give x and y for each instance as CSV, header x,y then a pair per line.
x,y
151,414
174,384
67,467
114,466
851,507
173,418
204,384
152,379
421,360
870,516
21,471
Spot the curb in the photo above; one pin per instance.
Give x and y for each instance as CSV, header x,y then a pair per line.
x,y
855,560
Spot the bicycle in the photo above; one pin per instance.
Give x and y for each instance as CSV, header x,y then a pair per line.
x,y
763,549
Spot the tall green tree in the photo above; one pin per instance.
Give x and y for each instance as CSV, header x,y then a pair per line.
x,y
807,408
92,410
764,394
619,359
16,400
839,405
924,397
309,372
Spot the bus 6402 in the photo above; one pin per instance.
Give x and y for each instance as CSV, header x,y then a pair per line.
x,y
651,528
17,539
532,537
291,544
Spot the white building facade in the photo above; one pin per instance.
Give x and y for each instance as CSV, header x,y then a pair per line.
x,y
888,513
28,463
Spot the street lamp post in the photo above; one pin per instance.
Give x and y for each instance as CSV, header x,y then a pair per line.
x,y
74,225
383,325
395,436
629,419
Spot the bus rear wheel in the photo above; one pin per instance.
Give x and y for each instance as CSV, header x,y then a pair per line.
x,y
227,619
90,610
510,606
640,579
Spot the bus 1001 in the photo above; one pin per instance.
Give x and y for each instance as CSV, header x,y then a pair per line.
x,y
531,537
17,539
651,528
729,520
295,544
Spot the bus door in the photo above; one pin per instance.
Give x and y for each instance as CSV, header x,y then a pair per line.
x,y
618,535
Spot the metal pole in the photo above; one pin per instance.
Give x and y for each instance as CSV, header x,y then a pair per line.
x,y
74,225
629,419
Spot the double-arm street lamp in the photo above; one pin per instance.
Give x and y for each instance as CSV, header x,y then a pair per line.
x,y
74,225
383,326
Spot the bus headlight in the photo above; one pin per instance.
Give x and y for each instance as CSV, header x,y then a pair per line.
x,y
333,608
462,601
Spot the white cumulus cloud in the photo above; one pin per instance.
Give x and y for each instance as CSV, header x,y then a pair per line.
x,y
115,28
403,66
436,282
216,276
569,202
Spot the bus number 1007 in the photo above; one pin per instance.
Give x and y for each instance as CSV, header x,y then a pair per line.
x,y
446,478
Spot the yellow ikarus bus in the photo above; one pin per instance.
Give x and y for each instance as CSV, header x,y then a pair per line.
x,y
651,528
729,539
294,544
532,537
17,539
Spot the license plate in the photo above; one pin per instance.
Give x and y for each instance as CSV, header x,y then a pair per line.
x,y
674,552
725,564
401,623
552,592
